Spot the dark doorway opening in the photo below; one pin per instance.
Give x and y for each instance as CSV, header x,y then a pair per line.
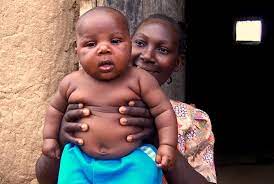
x,y
230,81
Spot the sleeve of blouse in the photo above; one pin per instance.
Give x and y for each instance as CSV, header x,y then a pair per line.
x,y
196,139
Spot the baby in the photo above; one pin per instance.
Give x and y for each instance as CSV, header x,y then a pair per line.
x,y
104,83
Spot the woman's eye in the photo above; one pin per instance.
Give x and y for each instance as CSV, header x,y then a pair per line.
x,y
139,43
91,44
116,41
163,50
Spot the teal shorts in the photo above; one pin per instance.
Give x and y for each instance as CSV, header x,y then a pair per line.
x,y
138,167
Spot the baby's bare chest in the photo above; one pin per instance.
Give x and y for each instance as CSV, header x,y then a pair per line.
x,y
105,94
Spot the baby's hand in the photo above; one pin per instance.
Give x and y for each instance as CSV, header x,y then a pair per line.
x,y
165,156
51,148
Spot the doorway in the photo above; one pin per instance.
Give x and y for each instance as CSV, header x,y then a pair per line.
x,y
230,81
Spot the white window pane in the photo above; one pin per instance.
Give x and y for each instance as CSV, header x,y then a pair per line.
x,y
249,30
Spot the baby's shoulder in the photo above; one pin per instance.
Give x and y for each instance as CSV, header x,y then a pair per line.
x,y
137,71
143,75
70,78
74,75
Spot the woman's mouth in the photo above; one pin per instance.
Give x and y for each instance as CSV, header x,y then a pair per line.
x,y
151,70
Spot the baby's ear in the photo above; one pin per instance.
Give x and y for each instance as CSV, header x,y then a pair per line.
x,y
180,62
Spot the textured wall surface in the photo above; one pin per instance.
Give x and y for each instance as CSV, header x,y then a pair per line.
x,y
36,51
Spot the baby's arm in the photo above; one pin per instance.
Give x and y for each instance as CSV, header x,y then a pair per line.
x,y
165,119
54,115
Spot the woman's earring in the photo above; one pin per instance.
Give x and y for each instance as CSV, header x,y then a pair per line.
x,y
169,81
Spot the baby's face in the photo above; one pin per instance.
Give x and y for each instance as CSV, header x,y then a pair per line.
x,y
103,45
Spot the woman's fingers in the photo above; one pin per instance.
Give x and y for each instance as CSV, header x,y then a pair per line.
x,y
66,132
147,132
75,127
74,106
70,123
137,103
74,140
135,108
135,111
76,114
134,121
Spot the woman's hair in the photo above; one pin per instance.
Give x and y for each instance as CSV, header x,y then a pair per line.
x,y
180,28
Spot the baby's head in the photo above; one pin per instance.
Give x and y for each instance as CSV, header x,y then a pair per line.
x,y
103,43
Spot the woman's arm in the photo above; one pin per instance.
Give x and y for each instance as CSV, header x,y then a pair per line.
x,y
46,170
195,155
182,172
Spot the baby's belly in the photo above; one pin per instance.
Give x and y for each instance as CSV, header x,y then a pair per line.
x,y
106,138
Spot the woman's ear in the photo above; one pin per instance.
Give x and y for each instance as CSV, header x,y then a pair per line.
x,y
180,62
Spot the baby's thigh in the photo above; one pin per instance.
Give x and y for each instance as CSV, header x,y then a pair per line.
x,y
143,168
74,167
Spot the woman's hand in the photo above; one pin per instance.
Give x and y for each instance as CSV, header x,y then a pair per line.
x,y
70,124
137,114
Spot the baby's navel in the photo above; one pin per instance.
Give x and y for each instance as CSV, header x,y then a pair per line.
x,y
103,151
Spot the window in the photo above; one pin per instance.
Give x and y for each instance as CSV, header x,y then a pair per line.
x,y
248,31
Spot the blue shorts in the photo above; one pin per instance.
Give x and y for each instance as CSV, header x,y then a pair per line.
x,y
138,167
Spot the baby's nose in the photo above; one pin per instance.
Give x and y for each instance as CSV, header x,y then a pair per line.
x,y
103,49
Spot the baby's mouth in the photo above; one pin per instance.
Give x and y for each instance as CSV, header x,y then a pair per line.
x,y
106,66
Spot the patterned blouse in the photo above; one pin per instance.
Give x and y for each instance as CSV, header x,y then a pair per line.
x,y
195,139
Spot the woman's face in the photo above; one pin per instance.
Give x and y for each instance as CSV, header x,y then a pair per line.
x,y
155,48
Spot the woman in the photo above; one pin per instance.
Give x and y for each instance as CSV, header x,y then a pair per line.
x,y
157,47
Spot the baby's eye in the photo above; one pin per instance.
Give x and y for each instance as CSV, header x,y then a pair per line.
x,y
140,43
90,44
163,50
116,41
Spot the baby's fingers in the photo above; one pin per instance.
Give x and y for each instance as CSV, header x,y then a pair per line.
x,y
57,153
165,162
50,154
158,160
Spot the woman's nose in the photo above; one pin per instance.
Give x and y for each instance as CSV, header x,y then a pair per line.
x,y
103,49
148,56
